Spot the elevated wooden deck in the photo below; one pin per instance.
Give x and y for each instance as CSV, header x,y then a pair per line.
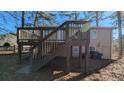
x,y
48,40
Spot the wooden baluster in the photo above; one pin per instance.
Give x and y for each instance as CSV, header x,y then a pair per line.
x,y
55,42
70,32
53,45
50,46
81,31
42,52
43,49
47,46
59,38
57,34
73,29
61,35
64,35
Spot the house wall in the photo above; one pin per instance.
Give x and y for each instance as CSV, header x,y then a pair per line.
x,y
102,42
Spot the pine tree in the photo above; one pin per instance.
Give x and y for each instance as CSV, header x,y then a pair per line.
x,y
71,15
119,17
94,16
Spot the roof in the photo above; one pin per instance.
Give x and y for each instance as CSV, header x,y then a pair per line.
x,y
102,28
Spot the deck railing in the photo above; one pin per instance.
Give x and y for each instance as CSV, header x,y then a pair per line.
x,y
51,37
26,35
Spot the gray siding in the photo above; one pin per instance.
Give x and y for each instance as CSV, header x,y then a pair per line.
x,y
102,42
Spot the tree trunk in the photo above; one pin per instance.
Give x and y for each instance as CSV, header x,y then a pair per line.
x,y
19,46
76,15
36,20
97,18
23,19
119,15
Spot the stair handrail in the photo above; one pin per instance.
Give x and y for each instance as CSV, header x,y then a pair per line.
x,y
66,22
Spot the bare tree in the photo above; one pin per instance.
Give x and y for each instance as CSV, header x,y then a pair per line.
x,y
71,15
23,19
119,17
94,16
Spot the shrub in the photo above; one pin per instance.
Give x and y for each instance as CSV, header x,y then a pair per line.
x,y
6,44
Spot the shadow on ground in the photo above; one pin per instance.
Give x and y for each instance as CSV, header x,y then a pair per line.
x,y
59,65
55,70
9,65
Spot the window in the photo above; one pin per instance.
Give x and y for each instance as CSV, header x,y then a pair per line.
x,y
93,35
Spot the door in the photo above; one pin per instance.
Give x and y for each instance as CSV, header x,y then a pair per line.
x,y
75,51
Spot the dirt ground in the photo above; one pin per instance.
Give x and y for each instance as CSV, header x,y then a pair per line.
x,y
93,67
111,72
9,65
108,71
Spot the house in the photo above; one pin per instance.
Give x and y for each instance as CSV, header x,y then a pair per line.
x,y
72,39
101,40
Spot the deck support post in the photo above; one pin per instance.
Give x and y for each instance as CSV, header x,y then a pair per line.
x,y
41,45
68,58
67,49
87,58
80,59
19,53
14,50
